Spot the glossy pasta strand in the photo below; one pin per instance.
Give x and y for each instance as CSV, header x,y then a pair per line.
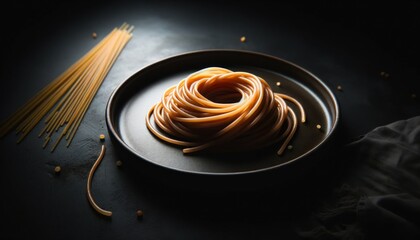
x,y
89,185
216,108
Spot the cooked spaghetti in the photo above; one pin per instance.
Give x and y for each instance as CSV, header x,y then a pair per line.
x,y
65,101
89,185
217,109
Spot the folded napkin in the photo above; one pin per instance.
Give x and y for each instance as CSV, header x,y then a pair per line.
x,y
378,193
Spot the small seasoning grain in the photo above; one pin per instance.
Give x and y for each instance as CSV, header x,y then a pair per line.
x,y
384,74
139,214
94,35
102,137
118,163
243,39
318,126
290,147
278,84
339,88
57,169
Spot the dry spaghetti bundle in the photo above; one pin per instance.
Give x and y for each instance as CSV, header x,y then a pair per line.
x,y
65,101
218,109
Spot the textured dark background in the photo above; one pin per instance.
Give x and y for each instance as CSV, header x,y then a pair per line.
x,y
345,44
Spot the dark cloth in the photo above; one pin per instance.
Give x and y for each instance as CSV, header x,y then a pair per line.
x,y
378,193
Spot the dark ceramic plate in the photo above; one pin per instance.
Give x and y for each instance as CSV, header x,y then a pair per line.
x,y
129,103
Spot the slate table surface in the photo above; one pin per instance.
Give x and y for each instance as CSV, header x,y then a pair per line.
x,y
347,44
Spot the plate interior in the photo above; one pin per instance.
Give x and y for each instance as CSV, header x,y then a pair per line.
x,y
131,101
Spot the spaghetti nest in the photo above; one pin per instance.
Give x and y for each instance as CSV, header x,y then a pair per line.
x,y
217,109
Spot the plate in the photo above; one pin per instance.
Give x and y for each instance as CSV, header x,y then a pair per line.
x,y
130,101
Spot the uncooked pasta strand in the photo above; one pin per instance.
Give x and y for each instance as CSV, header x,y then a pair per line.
x,y
65,101
29,106
117,51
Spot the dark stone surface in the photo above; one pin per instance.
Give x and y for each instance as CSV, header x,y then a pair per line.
x,y
346,44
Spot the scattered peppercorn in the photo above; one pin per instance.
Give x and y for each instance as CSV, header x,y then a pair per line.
x,y
57,169
118,163
139,214
384,74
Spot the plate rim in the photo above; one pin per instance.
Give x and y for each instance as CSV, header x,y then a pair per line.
x,y
115,135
